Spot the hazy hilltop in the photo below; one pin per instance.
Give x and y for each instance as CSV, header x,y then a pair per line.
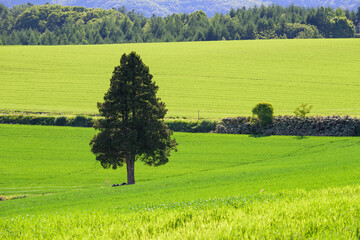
x,y
348,4
166,7
149,7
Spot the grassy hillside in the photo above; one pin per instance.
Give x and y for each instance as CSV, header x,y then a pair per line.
x,y
218,79
214,180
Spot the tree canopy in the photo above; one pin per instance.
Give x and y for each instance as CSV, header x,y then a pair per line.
x,y
60,25
133,127
168,7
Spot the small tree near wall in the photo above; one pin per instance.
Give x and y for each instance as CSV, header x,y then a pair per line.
x,y
302,110
264,112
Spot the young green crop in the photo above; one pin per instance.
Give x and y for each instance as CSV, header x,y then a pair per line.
x,y
321,214
216,186
54,168
214,79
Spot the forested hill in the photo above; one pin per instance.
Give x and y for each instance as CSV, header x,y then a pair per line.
x,y
150,7
57,25
164,8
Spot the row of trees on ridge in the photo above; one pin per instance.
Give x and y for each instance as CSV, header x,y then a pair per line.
x,y
54,24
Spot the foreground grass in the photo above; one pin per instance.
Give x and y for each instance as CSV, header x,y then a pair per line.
x,y
320,214
216,186
218,79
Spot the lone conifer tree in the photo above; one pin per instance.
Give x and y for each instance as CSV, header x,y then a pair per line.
x,y
133,127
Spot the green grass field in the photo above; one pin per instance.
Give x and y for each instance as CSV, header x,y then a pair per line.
x,y
216,186
218,79
209,189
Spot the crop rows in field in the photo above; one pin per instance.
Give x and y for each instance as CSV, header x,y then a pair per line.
x,y
321,214
225,186
215,186
214,79
39,160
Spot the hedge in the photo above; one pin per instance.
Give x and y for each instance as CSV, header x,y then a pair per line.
x,y
78,121
203,126
82,121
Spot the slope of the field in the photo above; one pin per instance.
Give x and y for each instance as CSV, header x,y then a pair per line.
x,y
218,79
211,187
39,160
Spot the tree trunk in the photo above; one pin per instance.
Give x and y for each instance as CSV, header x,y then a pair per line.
x,y
130,165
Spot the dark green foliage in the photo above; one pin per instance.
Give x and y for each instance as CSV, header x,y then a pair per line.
x,y
27,120
297,30
321,19
81,121
133,127
264,112
194,127
55,24
341,27
203,126
42,121
60,121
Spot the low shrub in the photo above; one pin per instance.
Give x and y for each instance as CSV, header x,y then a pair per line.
x,y
60,121
80,121
205,126
42,120
264,112
194,127
27,120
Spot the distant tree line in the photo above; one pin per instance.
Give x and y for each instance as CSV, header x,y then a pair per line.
x,y
61,25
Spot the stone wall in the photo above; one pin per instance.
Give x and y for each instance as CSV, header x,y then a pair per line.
x,y
291,125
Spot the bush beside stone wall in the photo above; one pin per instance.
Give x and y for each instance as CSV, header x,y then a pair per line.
x,y
282,125
291,125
